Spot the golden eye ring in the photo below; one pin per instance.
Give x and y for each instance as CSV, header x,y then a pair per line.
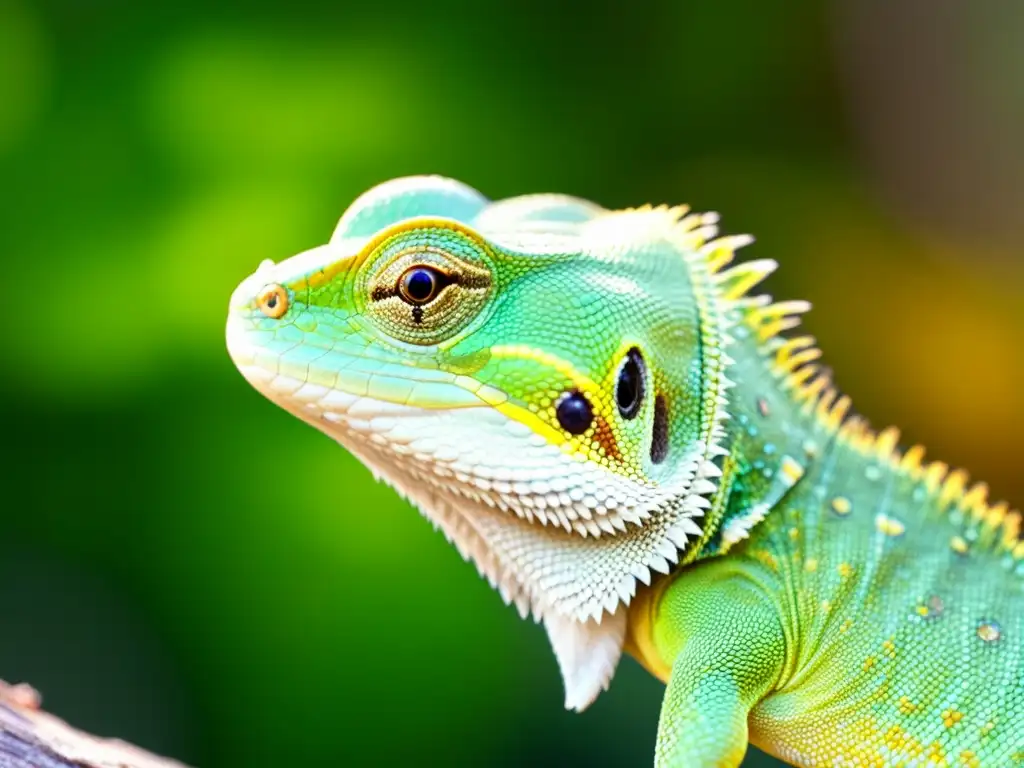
x,y
273,301
420,285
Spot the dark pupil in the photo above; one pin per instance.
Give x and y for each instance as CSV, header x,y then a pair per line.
x,y
629,391
574,413
419,284
272,301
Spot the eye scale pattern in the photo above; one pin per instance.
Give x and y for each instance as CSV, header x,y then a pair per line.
x,y
639,451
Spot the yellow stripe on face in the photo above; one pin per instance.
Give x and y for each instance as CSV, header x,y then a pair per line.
x,y
580,381
522,352
602,442
524,415
533,421
499,401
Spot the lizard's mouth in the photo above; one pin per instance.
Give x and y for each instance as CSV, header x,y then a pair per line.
x,y
342,382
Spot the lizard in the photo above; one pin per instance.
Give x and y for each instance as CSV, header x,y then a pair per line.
x,y
644,454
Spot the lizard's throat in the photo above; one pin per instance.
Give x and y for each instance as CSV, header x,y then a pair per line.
x,y
576,583
552,533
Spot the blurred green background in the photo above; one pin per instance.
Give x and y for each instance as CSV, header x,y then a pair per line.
x,y
160,581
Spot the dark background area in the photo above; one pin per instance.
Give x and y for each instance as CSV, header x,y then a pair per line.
x,y
189,568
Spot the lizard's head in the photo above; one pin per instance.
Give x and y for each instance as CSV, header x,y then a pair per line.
x,y
541,377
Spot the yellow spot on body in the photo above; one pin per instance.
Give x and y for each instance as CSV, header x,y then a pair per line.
x,y
967,757
826,606
889,649
841,505
845,570
932,609
958,544
811,565
907,706
794,533
987,728
989,631
869,662
845,626
790,470
895,738
889,526
935,753
951,717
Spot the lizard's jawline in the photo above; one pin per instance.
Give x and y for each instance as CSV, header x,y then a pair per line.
x,y
512,547
494,463
509,501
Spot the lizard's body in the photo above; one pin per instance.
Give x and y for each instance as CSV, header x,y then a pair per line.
x,y
849,604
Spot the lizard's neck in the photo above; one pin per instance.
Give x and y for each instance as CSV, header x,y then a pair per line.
x,y
779,424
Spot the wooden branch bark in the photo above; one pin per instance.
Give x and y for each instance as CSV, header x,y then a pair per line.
x,y
31,738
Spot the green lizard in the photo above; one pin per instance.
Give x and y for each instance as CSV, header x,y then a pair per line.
x,y
594,409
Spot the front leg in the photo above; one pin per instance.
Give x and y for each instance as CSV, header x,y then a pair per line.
x,y
729,649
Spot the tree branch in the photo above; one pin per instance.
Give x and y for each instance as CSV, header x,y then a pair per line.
x,y
31,738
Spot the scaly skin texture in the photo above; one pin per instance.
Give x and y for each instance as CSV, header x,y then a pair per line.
x,y
592,409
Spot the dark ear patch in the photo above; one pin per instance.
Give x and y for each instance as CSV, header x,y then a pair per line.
x,y
659,430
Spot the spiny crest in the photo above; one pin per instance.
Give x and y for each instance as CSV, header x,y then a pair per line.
x,y
691,230
996,524
795,363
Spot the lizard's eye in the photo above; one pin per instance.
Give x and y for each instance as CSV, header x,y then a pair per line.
x,y
273,301
630,388
424,285
420,284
